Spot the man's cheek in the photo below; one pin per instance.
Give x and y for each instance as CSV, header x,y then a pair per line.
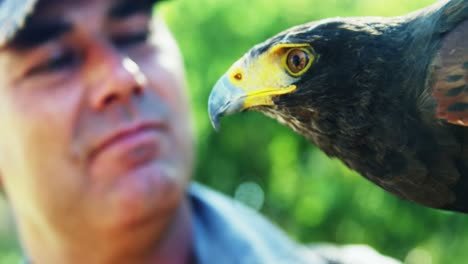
x,y
33,137
165,85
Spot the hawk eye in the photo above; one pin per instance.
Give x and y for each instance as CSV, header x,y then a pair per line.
x,y
298,61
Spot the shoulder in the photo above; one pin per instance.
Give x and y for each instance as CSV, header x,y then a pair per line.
x,y
229,232
226,229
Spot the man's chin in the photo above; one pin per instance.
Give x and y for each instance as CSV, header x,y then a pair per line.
x,y
146,193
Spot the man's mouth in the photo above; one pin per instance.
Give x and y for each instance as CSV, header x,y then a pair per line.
x,y
132,145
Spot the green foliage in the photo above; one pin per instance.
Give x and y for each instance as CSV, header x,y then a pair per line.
x,y
312,197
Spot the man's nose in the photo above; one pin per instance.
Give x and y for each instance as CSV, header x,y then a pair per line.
x,y
114,78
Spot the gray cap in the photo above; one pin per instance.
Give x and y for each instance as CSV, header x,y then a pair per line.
x,y
13,14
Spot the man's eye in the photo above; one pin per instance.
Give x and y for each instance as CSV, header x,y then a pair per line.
x,y
58,62
126,41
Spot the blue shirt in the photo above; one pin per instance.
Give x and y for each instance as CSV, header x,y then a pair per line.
x,y
227,232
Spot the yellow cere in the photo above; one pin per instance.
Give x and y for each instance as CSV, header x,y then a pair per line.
x,y
265,76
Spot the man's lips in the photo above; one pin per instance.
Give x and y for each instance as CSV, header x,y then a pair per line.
x,y
135,141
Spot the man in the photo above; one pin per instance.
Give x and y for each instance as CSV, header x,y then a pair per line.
x,y
96,144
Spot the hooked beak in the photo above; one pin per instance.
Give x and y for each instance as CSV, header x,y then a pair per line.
x,y
225,99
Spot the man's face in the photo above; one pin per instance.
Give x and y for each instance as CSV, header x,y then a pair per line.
x,y
94,119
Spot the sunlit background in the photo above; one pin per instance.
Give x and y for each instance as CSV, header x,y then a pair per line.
x,y
257,161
